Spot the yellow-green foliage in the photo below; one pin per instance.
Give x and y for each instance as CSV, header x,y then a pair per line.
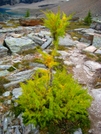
x,y
57,23
48,59
64,99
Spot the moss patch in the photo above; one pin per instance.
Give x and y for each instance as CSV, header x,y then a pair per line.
x,y
3,80
29,51
11,24
11,69
75,34
93,57
75,25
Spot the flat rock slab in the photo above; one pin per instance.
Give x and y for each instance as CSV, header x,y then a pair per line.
x,y
64,54
4,67
23,75
45,33
18,44
66,42
90,49
90,30
19,77
81,45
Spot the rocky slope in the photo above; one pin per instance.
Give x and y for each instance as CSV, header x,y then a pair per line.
x,y
81,7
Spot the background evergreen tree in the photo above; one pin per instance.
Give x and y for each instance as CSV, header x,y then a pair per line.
x,y
27,14
88,18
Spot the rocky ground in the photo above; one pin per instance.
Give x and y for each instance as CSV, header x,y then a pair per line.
x,y
80,55
17,64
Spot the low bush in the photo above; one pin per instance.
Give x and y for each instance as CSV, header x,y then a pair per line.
x,y
43,103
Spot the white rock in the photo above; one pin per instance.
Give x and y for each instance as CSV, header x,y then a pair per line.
x,y
5,66
98,51
6,93
92,65
4,73
17,92
64,54
68,63
97,94
79,131
45,32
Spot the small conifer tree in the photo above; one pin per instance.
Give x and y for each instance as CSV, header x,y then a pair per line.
x,y
52,97
88,18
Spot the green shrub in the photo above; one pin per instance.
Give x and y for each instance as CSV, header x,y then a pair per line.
x,y
43,103
88,18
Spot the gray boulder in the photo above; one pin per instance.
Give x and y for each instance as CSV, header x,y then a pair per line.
x,y
16,45
96,26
